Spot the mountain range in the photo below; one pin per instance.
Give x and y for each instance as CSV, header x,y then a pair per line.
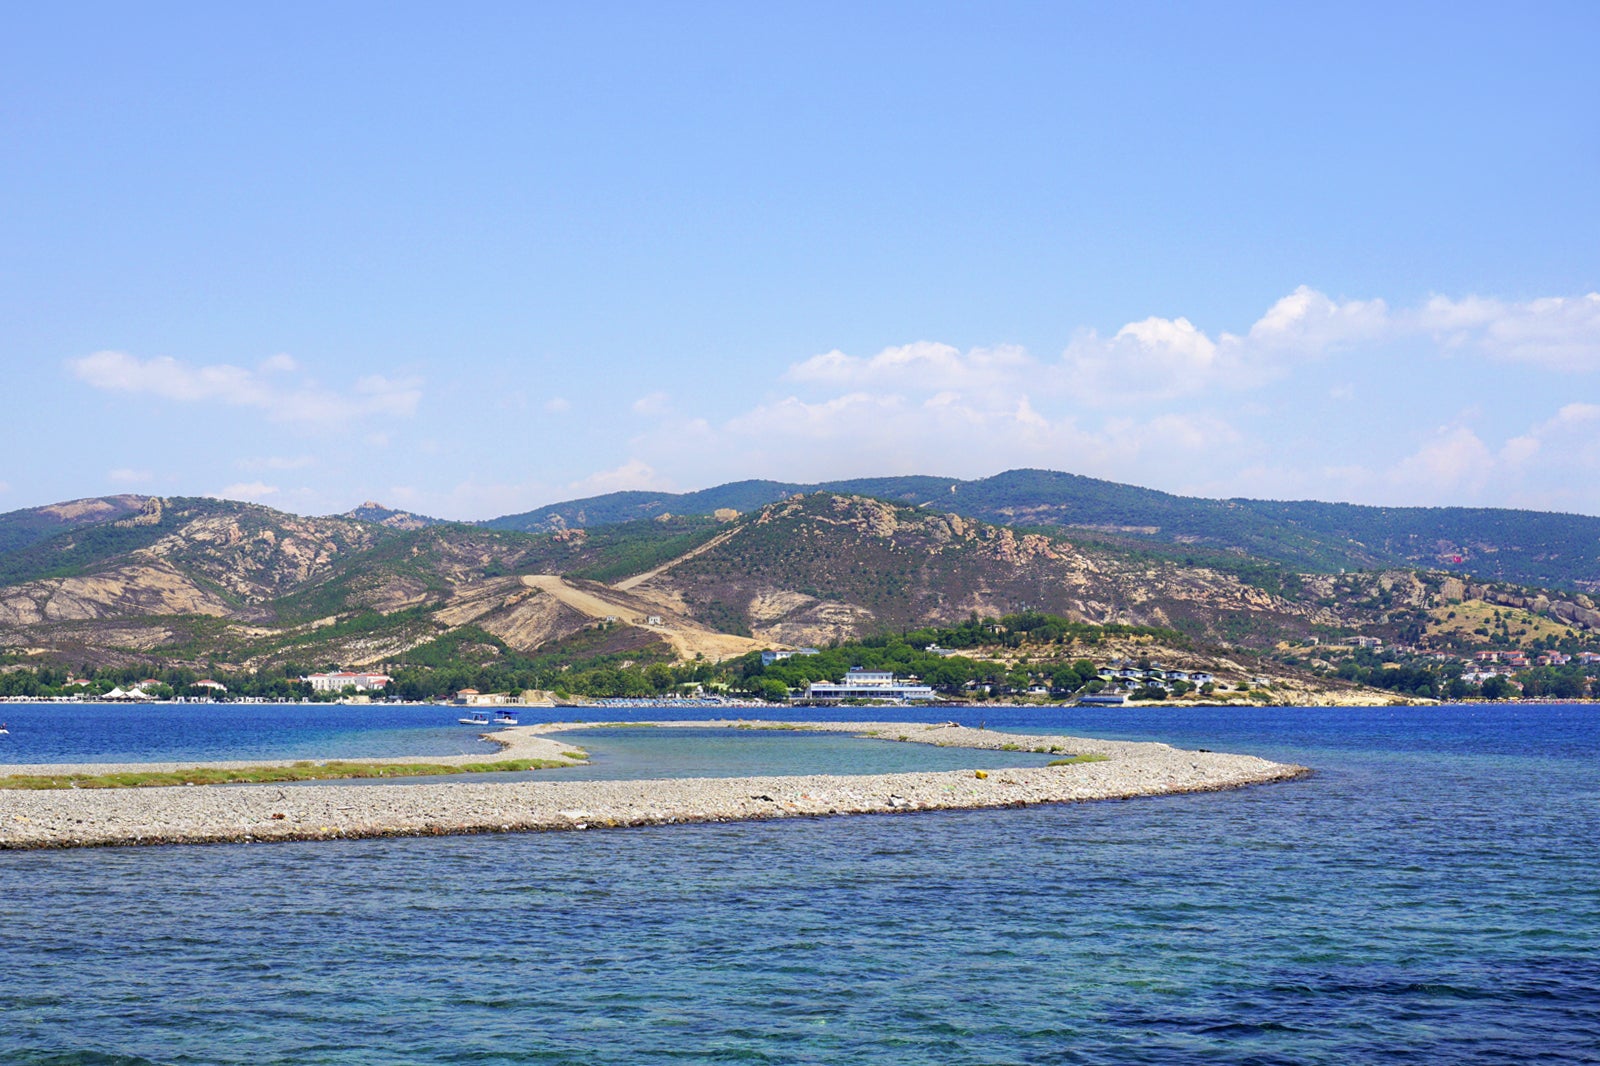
x,y
206,582
1526,547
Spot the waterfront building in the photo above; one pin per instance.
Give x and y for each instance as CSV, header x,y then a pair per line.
x,y
861,684
343,679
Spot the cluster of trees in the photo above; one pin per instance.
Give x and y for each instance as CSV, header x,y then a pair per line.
x,y
1030,627
438,671
596,678
606,676
1554,682
272,683
444,667
948,674
1443,681
907,655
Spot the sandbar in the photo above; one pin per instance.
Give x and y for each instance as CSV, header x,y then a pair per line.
x,y
270,812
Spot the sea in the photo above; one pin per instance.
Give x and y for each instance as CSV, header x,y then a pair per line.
x,y
1430,894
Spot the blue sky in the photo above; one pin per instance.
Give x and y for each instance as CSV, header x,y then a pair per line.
x,y
467,260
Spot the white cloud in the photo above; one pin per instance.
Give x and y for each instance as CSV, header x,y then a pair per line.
x,y
795,417
1570,439
1455,459
557,405
1310,322
123,475
1164,358
374,395
929,365
656,403
262,388
1155,358
166,377
1552,464
1562,333
1159,358
949,433
1162,401
277,462
1520,450
250,491
633,474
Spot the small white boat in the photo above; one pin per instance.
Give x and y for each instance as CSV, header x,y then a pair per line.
x,y
475,719
505,719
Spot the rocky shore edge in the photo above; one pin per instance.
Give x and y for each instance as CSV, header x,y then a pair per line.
x,y
260,813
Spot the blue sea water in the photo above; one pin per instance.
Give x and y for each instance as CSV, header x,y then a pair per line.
x,y
166,732
1430,895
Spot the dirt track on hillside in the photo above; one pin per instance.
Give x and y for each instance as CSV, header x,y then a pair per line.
x,y
687,637
638,579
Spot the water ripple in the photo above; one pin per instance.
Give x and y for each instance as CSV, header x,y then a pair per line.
x,y
1403,906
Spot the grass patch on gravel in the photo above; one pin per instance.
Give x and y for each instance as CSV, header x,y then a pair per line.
x,y
300,771
1089,756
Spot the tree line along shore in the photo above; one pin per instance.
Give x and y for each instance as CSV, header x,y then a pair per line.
x,y
1024,657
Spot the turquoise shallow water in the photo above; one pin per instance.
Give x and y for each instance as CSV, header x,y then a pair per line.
x,y
1431,895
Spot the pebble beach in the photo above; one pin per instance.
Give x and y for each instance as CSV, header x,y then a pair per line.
x,y
64,818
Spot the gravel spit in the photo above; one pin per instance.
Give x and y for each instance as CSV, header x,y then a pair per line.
x,y
247,813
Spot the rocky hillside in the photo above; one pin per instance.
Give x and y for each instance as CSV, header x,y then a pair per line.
x,y
205,582
1528,547
208,581
378,514
19,529
825,567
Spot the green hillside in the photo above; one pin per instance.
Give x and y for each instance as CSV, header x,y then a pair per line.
x,y
1527,547
82,547
617,507
20,529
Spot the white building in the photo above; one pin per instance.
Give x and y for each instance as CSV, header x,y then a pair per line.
x,y
859,684
338,682
770,657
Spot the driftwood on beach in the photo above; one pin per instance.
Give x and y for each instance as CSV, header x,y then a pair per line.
x,y
246,813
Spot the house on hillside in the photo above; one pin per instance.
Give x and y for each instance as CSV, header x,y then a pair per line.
x,y
770,657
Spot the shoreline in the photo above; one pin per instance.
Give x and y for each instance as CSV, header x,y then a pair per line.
x,y
512,742
267,812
